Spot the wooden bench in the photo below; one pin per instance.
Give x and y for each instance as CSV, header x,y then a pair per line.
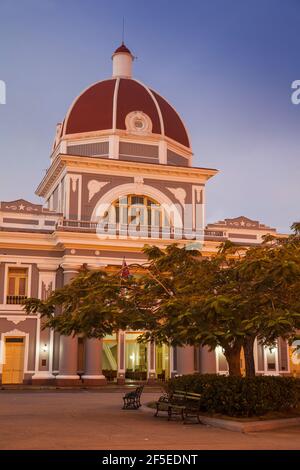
x,y
180,403
132,400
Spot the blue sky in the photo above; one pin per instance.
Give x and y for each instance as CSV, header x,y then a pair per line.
x,y
226,65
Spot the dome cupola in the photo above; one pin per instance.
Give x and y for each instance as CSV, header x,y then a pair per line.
x,y
122,106
122,62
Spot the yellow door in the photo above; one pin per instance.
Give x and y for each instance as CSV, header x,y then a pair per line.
x,y
13,369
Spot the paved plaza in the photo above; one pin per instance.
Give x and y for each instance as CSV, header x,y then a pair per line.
x,y
93,419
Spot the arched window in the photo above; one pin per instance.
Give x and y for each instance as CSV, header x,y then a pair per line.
x,y
137,210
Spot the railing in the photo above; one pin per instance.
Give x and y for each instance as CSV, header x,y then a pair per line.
x,y
15,299
116,230
214,233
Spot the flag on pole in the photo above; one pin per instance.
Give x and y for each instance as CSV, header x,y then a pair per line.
x,y
125,273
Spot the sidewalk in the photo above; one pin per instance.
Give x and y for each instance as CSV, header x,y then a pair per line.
x,y
90,420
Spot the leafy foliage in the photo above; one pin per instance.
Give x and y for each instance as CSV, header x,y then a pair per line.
x,y
240,396
181,297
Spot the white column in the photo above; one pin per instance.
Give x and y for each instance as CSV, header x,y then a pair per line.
x,y
68,350
121,357
93,362
114,147
208,362
151,360
185,360
44,338
173,361
162,149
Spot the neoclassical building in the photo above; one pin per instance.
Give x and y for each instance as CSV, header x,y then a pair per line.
x,y
120,176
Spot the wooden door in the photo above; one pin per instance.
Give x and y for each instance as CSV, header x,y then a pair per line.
x,y
13,369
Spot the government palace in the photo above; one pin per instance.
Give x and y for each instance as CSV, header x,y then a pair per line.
x,y
120,176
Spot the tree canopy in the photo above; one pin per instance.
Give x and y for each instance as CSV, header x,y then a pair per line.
x,y
182,297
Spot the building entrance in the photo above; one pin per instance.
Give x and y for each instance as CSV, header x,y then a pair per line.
x,y
13,368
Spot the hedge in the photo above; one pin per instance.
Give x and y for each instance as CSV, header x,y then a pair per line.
x,y
241,396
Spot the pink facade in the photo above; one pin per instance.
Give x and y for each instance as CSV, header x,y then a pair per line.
x,y
120,176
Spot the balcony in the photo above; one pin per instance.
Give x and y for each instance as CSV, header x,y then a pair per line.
x,y
117,230
15,299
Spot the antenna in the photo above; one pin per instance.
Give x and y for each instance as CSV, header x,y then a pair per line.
x,y
123,30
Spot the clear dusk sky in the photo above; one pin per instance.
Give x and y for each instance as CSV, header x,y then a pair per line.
x,y
226,65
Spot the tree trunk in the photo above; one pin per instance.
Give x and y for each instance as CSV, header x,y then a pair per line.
x,y
248,347
233,357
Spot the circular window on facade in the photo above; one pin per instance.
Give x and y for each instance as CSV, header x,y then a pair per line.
x,y
137,121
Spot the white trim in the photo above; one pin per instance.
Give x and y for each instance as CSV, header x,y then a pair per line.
x,y
37,343
93,377
172,371
17,318
195,190
121,338
38,375
288,360
163,152
151,348
51,351
59,202
67,195
255,354
113,142
115,104
79,197
64,377
46,277
90,164
163,172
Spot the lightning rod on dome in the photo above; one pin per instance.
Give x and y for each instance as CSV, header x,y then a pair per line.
x,y
123,30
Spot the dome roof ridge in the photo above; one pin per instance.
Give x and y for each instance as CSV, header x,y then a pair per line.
x,y
105,104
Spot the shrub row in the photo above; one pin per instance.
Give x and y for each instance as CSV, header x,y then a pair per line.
x,y
241,396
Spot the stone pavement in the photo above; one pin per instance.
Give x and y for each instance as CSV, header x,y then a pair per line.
x,y
87,419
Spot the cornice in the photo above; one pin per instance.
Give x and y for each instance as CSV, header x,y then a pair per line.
x,y
90,164
125,134
56,169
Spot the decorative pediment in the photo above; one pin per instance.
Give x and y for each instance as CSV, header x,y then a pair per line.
x,y
20,205
242,222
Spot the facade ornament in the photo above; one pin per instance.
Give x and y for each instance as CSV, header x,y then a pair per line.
x,y
14,319
198,195
94,187
46,290
179,193
74,179
21,205
138,122
139,179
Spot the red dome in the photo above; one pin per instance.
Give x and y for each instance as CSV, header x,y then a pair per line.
x,y
94,109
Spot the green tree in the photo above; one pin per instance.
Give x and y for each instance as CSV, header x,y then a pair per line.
x,y
182,298
268,278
